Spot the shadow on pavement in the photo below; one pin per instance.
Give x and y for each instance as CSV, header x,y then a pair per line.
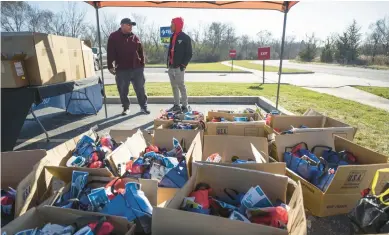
x,y
102,124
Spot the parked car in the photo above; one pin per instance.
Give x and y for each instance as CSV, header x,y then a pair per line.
x,y
96,57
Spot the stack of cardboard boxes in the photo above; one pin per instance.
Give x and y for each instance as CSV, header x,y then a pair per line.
x,y
37,59
245,140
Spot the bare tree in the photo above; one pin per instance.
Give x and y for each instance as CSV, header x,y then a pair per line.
x,y
264,38
75,19
383,29
58,24
39,20
14,15
141,25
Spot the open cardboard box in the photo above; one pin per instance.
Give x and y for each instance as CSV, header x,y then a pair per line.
x,y
230,116
163,136
181,117
219,178
135,147
18,170
245,147
39,216
34,188
96,180
316,124
344,191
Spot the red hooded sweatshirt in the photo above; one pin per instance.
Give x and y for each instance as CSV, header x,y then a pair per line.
x,y
179,23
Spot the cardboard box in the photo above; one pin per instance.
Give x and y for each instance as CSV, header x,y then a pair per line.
x,y
230,116
87,56
13,72
344,191
38,217
16,166
318,124
163,136
76,59
135,147
256,128
219,178
47,59
229,146
34,188
149,187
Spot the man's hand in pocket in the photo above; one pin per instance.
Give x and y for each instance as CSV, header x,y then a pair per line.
x,y
112,71
182,68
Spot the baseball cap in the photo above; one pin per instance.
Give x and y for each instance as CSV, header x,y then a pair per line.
x,y
127,21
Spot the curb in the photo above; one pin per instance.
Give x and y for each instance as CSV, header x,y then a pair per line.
x,y
291,73
227,72
263,102
156,67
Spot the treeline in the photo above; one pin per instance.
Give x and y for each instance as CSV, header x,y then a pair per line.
x,y
211,42
349,47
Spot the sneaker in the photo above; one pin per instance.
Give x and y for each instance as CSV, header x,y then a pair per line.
x,y
185,109
126,111
175,108
145,111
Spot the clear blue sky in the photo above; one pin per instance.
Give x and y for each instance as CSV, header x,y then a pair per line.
x,y
320,17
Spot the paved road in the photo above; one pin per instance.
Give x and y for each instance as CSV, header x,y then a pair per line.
x,y
371,74
159,75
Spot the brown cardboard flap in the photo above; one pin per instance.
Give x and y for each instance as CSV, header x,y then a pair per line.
x,y
16,165
255,128
164,137
230,116
122,135
65,173
38,217
283,122
121,155
297,223
194,154
228,146
311,138
363,155
274,168
195,224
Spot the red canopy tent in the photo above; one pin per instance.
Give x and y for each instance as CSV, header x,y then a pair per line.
x,y
282,6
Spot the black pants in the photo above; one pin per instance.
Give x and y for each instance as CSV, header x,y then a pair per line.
x,y
137,78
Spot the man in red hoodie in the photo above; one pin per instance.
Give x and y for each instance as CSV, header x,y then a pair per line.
x,y
125,49
179,55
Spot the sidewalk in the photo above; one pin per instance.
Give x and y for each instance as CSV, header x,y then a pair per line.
x,y
335,85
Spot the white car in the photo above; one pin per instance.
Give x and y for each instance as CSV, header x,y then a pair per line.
x,y
96,57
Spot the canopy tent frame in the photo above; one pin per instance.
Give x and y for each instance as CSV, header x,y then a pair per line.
x,y
248,5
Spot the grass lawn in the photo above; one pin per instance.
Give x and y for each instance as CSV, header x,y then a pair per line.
x,y
155,65
268,68
380,91
201,67
372,123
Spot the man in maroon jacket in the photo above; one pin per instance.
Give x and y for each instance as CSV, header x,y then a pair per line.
x,y
126,51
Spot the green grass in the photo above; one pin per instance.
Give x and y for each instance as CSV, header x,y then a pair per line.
x,y
372,123
268,68
155,65
211,67
379,91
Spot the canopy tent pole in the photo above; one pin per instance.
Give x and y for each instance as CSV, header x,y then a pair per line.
x,y
101,56
282,54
